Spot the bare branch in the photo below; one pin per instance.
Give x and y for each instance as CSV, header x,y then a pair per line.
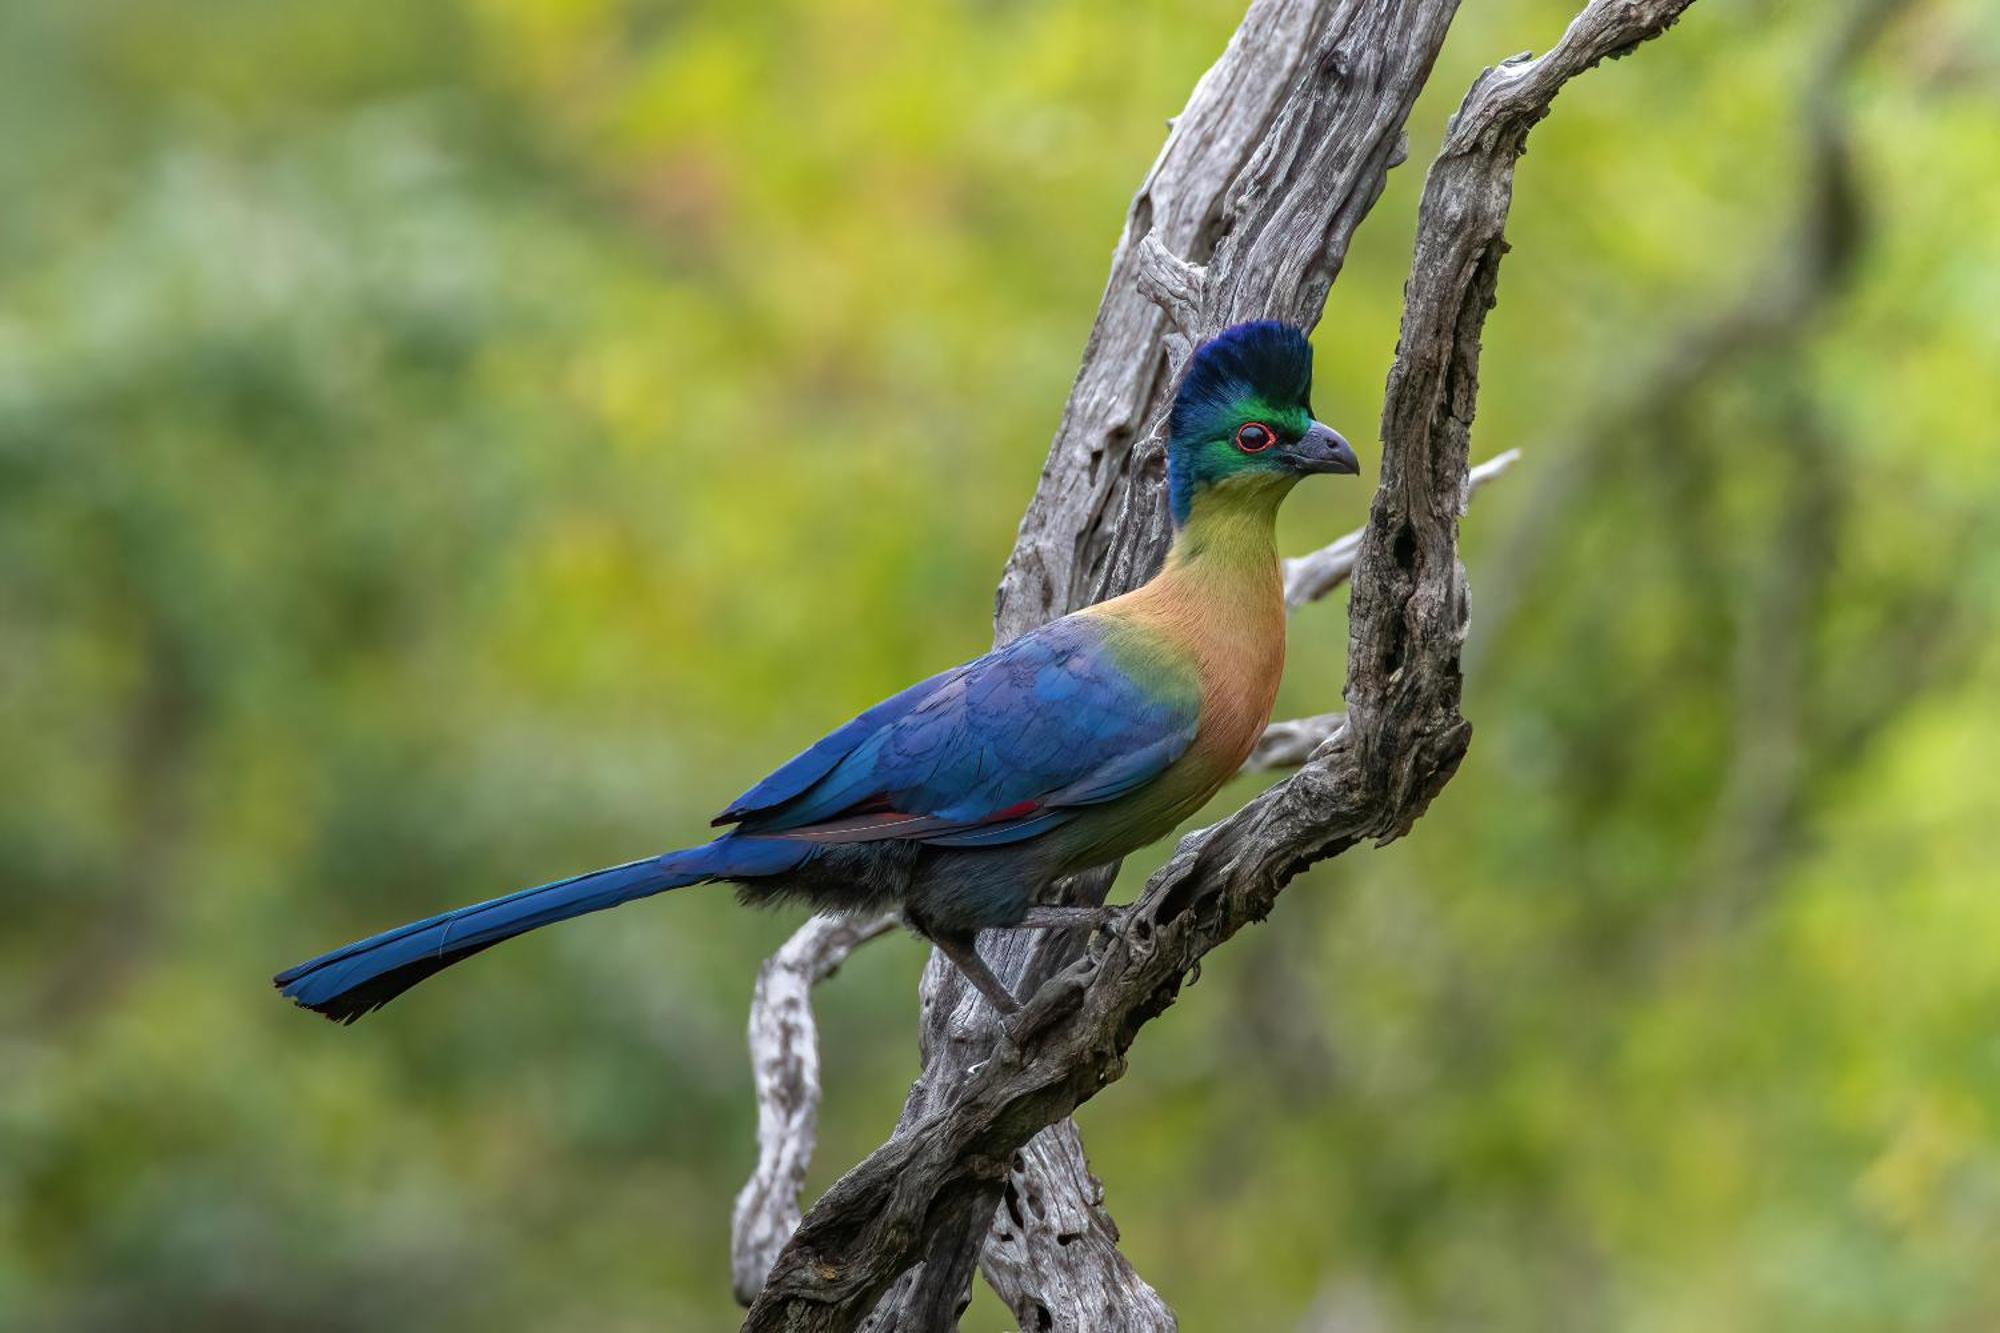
x,y
784,1044
1171,283
950,1161
1029,1251
1291,743
784,1052
1284,146
1282,149
1308,578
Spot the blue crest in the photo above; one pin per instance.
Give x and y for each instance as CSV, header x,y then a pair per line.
x,y
1264,358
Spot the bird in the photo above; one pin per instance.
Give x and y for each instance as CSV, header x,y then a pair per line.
x,y
960,799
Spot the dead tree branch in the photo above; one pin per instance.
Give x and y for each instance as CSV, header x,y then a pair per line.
x,y
784,1057
1309,578
1282,149
946,1166
1291,743
784,1051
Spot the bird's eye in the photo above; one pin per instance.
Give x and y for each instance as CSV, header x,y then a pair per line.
x,y
1254,437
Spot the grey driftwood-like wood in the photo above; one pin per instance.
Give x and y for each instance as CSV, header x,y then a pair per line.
x,y
784,1055
1293,742
784,1059
948,1163
1283,147
1310,577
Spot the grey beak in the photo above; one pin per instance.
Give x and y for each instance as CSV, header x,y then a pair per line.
x,y
1322,449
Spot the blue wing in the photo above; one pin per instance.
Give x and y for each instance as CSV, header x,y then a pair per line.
x,y
1000,750
816,760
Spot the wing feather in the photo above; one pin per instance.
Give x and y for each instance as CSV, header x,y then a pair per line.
x,y
1003,749
818,759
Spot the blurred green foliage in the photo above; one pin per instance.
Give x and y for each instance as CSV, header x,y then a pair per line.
x,y
443,447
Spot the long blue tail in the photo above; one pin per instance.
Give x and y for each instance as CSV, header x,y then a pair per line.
x,y
366,975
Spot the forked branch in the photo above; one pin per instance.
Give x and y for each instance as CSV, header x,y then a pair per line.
x,y
1404,737
784,1041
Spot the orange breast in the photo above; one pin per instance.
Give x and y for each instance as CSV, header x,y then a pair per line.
x,y
1231,622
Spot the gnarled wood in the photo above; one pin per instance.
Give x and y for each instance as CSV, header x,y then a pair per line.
x,y
1284,146
1067,1230
784,1060
950,1156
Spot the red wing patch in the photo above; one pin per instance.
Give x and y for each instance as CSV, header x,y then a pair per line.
x,y
875,825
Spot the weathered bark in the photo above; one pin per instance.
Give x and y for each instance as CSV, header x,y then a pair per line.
x,y
1064,1228
784,1058
1282,149
1310,577
948,1163
1031,1254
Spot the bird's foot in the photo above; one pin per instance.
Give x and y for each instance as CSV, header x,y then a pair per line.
x,y
1042,917
960,948
1105,924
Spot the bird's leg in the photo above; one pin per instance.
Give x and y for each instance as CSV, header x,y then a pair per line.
x,y
960,949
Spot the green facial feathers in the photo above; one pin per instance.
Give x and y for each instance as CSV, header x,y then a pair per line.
x,y
1256,374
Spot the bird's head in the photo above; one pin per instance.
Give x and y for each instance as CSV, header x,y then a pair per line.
x,y
1241,422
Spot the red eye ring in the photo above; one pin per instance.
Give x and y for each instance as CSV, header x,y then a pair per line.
x,y
1254,437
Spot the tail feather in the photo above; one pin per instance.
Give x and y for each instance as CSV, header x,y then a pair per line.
x,y
364,976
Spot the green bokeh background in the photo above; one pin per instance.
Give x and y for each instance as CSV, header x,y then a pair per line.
x,y
448,446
